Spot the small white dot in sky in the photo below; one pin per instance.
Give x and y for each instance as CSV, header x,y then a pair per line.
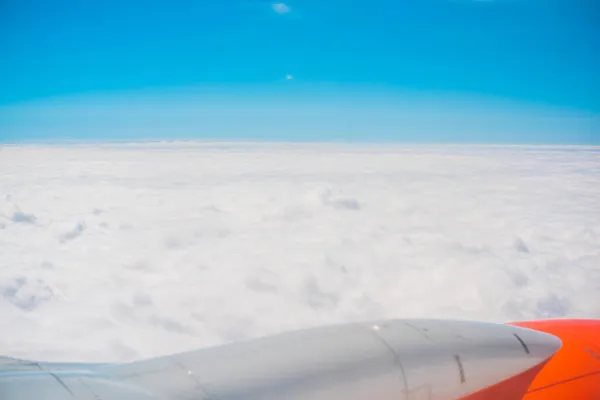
x,y
281,8
289,77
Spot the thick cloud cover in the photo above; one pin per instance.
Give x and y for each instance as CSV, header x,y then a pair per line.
x,y
117,252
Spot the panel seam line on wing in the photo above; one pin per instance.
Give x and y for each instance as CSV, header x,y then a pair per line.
x,y
564,381
396,360
199,385
523,344
62,383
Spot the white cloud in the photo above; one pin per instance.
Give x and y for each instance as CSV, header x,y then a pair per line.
x,y
281,8
289,77
140,250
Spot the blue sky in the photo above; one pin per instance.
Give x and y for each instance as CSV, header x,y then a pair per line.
x,y
501,71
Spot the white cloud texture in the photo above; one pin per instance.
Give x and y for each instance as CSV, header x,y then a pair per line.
x,y
117,252
281,8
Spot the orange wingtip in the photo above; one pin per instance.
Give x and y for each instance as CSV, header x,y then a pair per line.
x,y
574,371
511,389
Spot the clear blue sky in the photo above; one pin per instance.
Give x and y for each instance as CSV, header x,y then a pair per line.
x,y
514,71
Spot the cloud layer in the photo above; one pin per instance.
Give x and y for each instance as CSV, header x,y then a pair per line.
x,y
120,252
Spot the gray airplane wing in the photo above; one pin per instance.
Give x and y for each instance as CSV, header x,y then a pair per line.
x,y
394,359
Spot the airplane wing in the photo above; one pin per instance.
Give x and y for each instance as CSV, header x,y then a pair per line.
x,y
28,380
391,359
